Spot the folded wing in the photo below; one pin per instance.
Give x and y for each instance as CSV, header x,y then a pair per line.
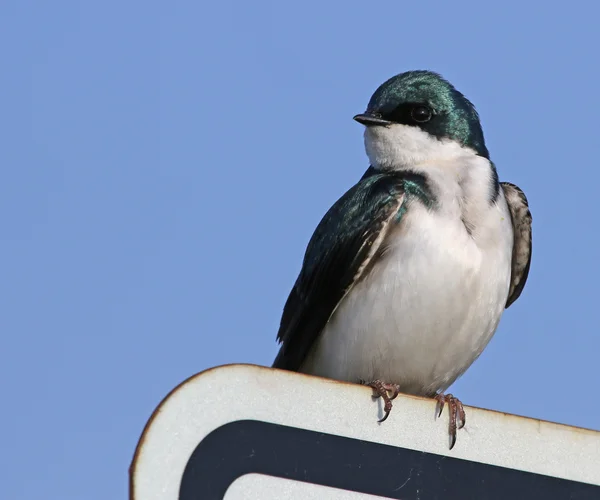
x,y
339,254
521,221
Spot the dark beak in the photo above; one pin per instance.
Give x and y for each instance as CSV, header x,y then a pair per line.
x,y
368,119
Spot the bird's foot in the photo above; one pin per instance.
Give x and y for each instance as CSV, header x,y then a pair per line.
x,y
383,390
457,414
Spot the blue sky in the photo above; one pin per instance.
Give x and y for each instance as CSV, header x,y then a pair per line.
x,y
164,165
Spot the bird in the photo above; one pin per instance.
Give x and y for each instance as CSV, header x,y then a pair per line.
x,y
407,275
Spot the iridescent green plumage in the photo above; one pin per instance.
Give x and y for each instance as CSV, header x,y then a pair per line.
x,y
342,250
454,118
406,277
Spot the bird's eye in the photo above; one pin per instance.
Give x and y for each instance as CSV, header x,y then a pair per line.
x,y
421,114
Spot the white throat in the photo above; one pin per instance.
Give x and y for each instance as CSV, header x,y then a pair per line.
x,y
461,179
398,147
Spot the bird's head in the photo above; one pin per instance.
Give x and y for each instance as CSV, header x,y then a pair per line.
x,y
416,117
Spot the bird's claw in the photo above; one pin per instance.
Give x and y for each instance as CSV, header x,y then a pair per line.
x,y
457,417
383,390
457,414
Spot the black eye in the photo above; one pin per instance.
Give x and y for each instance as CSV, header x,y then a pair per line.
x,y
421,114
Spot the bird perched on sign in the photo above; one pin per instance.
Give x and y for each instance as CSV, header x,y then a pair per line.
x,y
407,275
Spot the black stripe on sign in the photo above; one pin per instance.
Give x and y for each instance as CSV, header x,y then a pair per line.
x,y
250,446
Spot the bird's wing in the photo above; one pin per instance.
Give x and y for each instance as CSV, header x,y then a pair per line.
x,y
521,222
340,252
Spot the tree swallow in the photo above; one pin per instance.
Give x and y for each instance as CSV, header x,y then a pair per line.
x,y
407,275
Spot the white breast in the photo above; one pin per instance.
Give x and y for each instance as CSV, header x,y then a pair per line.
x,y
429,307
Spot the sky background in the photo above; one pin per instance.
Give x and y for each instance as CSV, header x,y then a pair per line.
x,y
164,165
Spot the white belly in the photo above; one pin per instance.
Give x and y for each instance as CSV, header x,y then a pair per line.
x,y
427,309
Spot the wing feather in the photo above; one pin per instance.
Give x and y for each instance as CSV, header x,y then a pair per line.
x,y
521,221
340,253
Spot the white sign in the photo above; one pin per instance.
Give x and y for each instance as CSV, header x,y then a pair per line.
x,y
247,432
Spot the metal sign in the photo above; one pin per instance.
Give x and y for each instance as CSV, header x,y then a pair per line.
x,y
247,432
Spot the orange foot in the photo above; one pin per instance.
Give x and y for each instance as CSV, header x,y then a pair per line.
x,y
457,414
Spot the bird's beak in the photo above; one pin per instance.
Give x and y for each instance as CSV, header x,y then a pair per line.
x,y
369,119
